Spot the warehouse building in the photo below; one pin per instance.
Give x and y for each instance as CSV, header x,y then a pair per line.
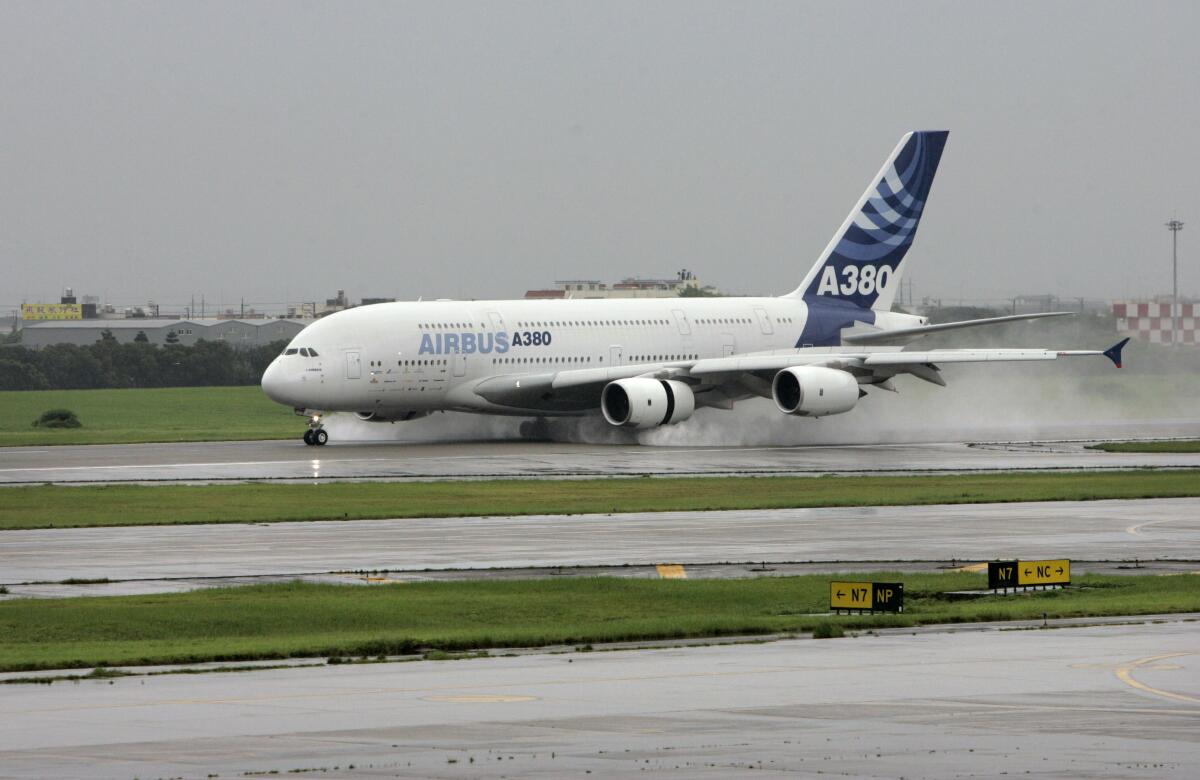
x,y
240,334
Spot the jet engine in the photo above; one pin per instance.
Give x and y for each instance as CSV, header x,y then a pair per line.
x,y
389,417
814,391
646,403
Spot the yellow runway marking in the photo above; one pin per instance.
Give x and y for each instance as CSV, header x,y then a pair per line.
x,y
671,571
1136,530
972,567
1125,671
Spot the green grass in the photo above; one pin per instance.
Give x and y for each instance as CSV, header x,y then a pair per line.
x,y
56,506
304,620
1192,445
146,415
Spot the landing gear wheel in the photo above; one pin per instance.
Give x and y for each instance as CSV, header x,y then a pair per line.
x,y
319,436
308,438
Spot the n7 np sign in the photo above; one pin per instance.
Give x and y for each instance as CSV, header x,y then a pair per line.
x,y
867,596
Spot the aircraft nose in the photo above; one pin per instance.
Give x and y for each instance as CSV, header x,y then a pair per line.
x,y
274,383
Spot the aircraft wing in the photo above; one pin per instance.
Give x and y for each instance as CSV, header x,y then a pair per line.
x,y
881,363
539,390
865,358
905,335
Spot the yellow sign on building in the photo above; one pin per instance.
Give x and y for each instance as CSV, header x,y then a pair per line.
x,y
51,311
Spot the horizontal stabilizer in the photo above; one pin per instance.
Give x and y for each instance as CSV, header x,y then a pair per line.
x,y
905,335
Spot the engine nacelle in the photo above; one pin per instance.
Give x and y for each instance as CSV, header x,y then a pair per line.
x,y
646,403
814,391
389,417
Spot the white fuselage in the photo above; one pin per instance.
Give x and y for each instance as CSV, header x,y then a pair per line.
x,y
394,358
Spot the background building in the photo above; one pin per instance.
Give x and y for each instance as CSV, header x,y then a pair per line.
x,y
239,334
1151,321
684,283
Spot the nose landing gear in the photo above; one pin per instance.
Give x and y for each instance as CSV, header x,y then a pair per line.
x,y
315,435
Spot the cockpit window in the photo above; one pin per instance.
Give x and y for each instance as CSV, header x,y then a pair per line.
x,y
312,352
291,351
304,351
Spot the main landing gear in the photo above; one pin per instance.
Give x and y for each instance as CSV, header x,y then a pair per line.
x,y
315,436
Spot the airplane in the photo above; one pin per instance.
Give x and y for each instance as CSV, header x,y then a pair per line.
x,y
643,363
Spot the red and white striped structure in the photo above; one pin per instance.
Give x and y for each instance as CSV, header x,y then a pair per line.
x,y
1151,321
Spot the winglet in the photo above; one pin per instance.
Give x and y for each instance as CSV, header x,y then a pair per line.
x,y
1113,353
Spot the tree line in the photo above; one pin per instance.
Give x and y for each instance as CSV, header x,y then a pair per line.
x,y
110,364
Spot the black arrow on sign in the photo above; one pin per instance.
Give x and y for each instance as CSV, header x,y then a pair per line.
x,y
840,594
1060,570
1027,572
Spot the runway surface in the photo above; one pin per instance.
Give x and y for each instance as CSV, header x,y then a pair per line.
x,y
1101,702
1082,530
292,460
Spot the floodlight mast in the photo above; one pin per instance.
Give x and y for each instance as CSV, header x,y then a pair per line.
x,y
1174,226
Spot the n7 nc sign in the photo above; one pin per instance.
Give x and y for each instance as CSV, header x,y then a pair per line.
x,y
1019,574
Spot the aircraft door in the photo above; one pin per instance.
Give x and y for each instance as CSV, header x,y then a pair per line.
x,y
764,322
681,322
460,364
728,346
353,364
615,355
496,320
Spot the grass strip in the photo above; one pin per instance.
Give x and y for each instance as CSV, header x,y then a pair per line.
x,y
54,506
306,620
1184,446
147,415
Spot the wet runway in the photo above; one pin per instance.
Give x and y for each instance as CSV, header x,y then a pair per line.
x,y
1080,530
292,460
1101,702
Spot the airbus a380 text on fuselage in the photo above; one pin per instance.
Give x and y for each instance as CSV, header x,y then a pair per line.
x,y
642,363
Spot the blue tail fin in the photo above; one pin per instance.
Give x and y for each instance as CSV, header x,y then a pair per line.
x,y
861,265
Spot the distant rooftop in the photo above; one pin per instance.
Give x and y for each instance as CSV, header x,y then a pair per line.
x,y
142,323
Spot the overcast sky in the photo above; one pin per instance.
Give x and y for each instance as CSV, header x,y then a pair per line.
x,y
280,151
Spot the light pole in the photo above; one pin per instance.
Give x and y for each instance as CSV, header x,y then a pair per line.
x,y
1174,226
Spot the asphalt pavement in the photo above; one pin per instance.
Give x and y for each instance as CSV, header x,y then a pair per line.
x,y
142,558
293,461
1101,702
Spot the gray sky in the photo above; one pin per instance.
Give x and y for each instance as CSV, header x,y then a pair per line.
x,y
282,150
